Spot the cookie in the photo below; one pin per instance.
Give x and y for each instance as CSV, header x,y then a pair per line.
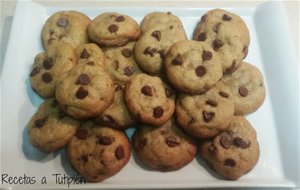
x,y
193,67
121,64
116,115
50,128
205,115
164,148
65,26
148,100
49,66
227,34
90,54
234,152
85,91
154,43
113,29
247,90
98,152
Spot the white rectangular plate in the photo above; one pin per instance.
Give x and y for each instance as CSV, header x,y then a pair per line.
x,y
276,121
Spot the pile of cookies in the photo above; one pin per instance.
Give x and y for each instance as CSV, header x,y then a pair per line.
x,y
102,76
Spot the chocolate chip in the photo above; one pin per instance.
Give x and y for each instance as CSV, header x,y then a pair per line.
x,y
126,52
119,152
34,71
150,51
84,158
245,51
47,77
81,134
81,93
84,54
203,18
200,71
217,44
171,27
47,64
105,140
212,149
120,19
169,93
118,87
146,90
162,132
225,141
171,141
107,120
40,122
143,143
206,55
211,103
192,120
128,71
113,28
229,162
232,68
216,28
225,17
243,91
62,22
177,60
208,116
202,36
158,112
83,79
224,94
156,34
169,13
239,142
91,63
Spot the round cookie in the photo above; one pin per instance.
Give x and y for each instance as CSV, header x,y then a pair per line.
x,y
227,34
98,152
50,129
193,67
90,54
205,115
85,91
116,115
151,48
65,26
148,100
49,66
247,90
113,29
164,148
234,152
121,64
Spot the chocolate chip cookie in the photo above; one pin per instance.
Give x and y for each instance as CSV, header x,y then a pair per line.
x,y
121,64
85,91
247,90
227,34
193,67
164,148
205,115
234,152
98,152
50,128
113,29
90,54
66,26
49,66
148,100
116,115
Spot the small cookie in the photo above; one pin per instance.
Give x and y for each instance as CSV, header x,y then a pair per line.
x,y
66,26
164,148
85,91
227,34
90,54
113,29
234,152
98,152
154,43
205,115
50,128
49,66
148,100
247,90
193,67
116,115
121,64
